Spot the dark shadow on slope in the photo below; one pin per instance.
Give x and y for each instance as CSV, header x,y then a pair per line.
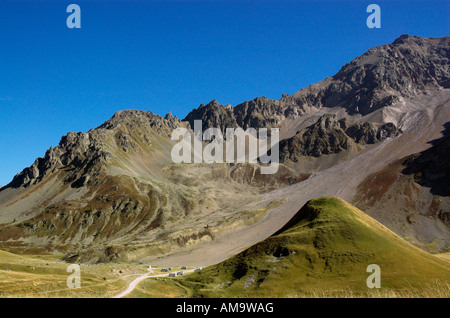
x,y
431,168
444,132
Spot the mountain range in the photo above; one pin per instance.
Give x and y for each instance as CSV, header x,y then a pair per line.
x,y
374,134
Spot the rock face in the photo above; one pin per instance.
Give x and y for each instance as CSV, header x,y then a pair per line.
x,y
329,136
368,133
264,112
213,115
324,137
79,151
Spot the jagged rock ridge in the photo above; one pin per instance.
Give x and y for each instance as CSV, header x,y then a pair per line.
x,y
381,77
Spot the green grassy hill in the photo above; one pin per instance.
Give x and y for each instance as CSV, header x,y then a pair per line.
x,y
324,250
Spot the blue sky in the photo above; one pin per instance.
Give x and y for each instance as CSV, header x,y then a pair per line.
x,y
173,55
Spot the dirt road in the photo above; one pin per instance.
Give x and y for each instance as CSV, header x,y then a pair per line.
x,y
135,282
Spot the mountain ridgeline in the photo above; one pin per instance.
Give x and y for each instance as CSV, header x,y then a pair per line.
x,y
382,76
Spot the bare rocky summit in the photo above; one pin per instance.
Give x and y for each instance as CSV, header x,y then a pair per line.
x,y
213,115
381,77
83,155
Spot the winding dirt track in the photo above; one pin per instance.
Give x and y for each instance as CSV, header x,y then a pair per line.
x,y
136,282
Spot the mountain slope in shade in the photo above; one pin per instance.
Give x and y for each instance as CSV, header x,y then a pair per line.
x,y
412,196
431,168
325,247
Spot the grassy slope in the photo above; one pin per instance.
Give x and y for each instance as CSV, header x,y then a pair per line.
x,y
325,250
43,276
161,288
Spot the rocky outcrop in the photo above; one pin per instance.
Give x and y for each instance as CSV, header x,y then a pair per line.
x,y
324,137
368,133
142,120
329,135
79,153
262,112
213,115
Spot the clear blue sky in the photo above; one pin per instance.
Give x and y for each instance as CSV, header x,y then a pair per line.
x,y
173,55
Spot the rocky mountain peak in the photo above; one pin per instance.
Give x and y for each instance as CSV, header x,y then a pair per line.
x,y
86,154
381,77
139,118
406,38
213,114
